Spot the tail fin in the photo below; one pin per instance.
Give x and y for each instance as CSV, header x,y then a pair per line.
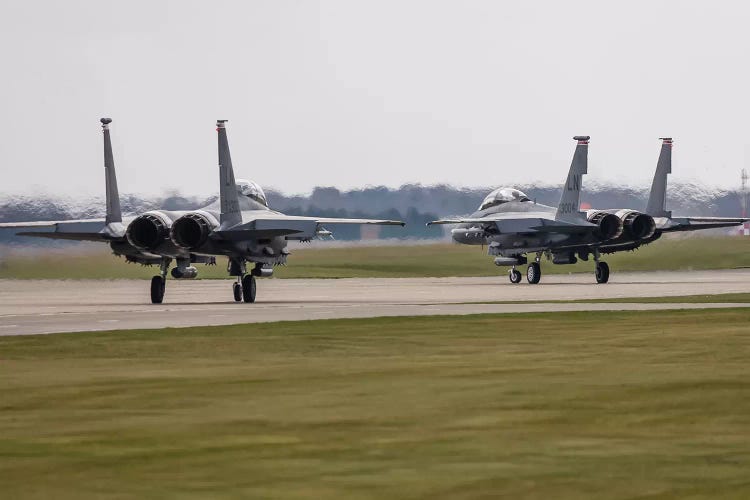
x,y
230,207
570,199
114,214
657,200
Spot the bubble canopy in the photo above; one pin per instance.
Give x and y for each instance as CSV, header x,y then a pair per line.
x,y
502,195
252,191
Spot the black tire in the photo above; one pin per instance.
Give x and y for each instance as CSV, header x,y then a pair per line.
x,y
248,288
237,290
533,273
515,276
158,286
602,272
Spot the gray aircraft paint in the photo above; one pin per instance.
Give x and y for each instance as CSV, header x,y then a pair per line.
x,y
241,227
567,209
657,199
230,207
519,227
114,214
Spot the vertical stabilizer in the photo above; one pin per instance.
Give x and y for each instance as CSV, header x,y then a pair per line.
x,y
571,194
230,207
657,200
114,214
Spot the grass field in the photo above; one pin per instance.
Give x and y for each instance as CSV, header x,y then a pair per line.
x,y
437,260
719,298
568,405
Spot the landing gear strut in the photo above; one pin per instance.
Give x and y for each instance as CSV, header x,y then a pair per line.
x,y
248,288
534,271
244,288
159,283
602,272
602,269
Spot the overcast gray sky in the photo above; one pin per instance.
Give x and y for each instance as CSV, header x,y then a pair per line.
x,y
350,93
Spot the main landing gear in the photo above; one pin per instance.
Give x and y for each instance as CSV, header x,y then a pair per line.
x,y
534,271
245,287
602,268
159,283
602,272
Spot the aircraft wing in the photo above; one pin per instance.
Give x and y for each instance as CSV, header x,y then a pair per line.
x,y
505,224
291,226
77,230
674,224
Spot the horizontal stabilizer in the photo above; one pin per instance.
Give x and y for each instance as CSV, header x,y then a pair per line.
x,y
675,224
377,222
268,228
79,230
298,227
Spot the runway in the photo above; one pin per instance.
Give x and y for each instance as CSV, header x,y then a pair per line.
x,y
50,306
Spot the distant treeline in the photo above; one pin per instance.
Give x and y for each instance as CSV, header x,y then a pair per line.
x,y
413,203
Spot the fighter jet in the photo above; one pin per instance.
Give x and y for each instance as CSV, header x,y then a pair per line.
x,y
240,226
513,226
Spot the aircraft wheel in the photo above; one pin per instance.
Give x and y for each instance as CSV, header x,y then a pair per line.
x,y
515,276
602,272
248,288
158,286
237,289
533,273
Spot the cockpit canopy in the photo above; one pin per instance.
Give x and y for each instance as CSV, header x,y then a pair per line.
x,y
502,195
252,191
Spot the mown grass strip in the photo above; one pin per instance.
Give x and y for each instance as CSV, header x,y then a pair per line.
x,y
556,405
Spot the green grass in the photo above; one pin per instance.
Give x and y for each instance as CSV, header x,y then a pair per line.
x,y
564,405
438,260
720,298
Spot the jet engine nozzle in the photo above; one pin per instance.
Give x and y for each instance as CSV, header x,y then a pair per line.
x,y
638,225
148,231
609,225
184,273
191,230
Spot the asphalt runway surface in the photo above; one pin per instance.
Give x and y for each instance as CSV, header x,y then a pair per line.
x,y
50,306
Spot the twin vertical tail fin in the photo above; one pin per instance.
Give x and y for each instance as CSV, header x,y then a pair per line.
x,y
229,202
571,194
114,214
657,200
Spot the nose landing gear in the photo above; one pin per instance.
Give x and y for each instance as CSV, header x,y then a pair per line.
x,y
514,275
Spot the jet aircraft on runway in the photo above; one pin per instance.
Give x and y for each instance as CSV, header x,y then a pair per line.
x,y
513,226
240,226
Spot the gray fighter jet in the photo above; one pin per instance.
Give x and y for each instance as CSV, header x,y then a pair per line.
x,y
513,226
240,225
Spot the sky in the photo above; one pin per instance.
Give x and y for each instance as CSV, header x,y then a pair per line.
x,y
350,93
